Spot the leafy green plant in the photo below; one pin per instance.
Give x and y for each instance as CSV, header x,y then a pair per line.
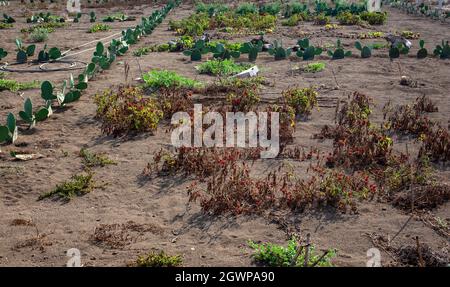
x,y
91,159
347,18
339,52
118,47
221,52
8,132
47,94
194,25
39,35
126,110
23,52
252,50
246,8
422,53
5,26
3,53
78,185
103,57
306,51
221,67
314,67
321,19
278,51
99,27
45,17
302,100
294,8
160,259
270,8
71,96
274,255
197,51
374,18
121,17
49,26
29,116
366,51
15,86
156,79
443,50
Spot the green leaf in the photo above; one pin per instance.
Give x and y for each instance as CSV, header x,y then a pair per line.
x,y
421,43
11,122
81,86
28,107
4,134
196,55
24,116
21,56
422,53
358,45
41,115
30,50
54,53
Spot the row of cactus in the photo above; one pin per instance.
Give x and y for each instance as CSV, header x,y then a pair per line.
x,y
306,51
92,16
71,91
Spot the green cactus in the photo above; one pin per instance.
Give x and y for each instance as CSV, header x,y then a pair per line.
x,y
77,18
366,51
422,53
306,51
339,53
32,118
279,52
47,95
252,50
400,49
220,52
93,17
24,52
8,132
443,51
197,51
3,53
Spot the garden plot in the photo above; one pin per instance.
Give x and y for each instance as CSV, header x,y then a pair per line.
x,y
361,125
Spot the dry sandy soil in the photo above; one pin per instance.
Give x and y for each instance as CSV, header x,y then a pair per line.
x,y
160,207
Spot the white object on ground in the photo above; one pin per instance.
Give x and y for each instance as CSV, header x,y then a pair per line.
x,y
252,72
73,6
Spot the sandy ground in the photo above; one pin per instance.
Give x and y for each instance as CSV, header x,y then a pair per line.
x,y
162,204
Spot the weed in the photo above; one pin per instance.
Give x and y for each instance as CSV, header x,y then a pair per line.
x,y
160,259
374,18
302,100
49,26
91,159
5,26
99,28
314,67
321,19
274,255
14,86
156,79
246,8
39,35
221,67
347,18
78,185
127,110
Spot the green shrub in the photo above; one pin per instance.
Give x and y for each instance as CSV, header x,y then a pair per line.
x,y
274,255
127,110
321,19
302,100
49,26
194,25
99,28
91,159
39,35
211,9
222,67
162,78
5,26
14,86
78,185
270,8
160,259
347,18
246,8
314,67
295,8
374,18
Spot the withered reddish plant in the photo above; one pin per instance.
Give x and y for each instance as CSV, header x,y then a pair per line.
x,y
436,144
357,143
172,100
234,191
327,188
201,162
